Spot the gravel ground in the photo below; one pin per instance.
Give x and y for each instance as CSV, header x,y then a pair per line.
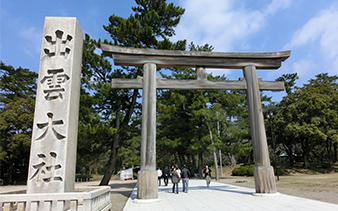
x,y
322,187
120,193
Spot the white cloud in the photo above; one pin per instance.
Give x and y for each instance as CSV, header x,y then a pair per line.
x,y
224,23
321,31
277,5
303,67
33,38
217,22
316,28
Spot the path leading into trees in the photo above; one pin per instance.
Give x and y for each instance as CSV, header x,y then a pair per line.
x,y
221,196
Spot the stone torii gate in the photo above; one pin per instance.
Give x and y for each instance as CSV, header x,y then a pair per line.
x,y
151,59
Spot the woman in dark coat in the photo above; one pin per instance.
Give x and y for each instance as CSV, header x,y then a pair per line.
x,y
175,178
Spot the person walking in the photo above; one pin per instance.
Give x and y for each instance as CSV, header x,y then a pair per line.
x,y
207,175
175,178
171,173
196,173
185,178
166,174
159,175
179,173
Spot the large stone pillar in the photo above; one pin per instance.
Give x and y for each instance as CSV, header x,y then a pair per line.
x,y
264,174
147,187
54,138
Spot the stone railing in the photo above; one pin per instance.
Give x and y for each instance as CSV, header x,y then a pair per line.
x,y
84,199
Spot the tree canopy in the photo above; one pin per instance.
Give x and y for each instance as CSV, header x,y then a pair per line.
x,y
17,97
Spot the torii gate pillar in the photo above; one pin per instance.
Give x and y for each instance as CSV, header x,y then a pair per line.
x,y
263,171
147,176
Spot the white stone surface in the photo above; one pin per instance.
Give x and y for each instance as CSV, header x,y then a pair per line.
x,y
224,197
54,139
85,199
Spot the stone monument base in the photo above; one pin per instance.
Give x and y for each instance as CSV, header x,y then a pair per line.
x,y
267,194
146,201
265,179
147,184
86,199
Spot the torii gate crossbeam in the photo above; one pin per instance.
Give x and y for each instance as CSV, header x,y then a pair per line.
x,y
150,59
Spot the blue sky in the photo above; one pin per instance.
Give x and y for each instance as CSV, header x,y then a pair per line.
x,y
309,28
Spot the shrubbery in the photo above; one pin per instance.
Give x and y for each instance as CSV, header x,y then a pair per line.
x,y
248,170
82,177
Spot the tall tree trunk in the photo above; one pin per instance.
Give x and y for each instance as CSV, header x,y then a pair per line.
x,y
10,179
111,165
306,161
335,151
232,160
291,159
117,138
212,142
193,166
200,165
288,150
114,149
175,159
213,151
182,160
306,154
220,162
329,151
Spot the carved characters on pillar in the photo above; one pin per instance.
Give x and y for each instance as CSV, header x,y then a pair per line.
x,y
54,81
58,45
50,126
47,168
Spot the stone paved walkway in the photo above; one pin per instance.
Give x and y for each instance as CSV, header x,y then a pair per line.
x,y
221,196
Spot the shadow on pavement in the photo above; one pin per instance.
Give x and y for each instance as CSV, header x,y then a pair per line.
x,y
226,188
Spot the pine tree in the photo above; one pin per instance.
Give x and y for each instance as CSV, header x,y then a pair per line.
x,y
150,26
17,97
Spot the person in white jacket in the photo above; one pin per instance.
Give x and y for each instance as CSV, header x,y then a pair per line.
x,y
159,175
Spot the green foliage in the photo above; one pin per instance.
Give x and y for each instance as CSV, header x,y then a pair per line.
x,y
307,120
129,153
289,81
187,120
281,171
18,87
246,170
16,83
151,20
150,26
